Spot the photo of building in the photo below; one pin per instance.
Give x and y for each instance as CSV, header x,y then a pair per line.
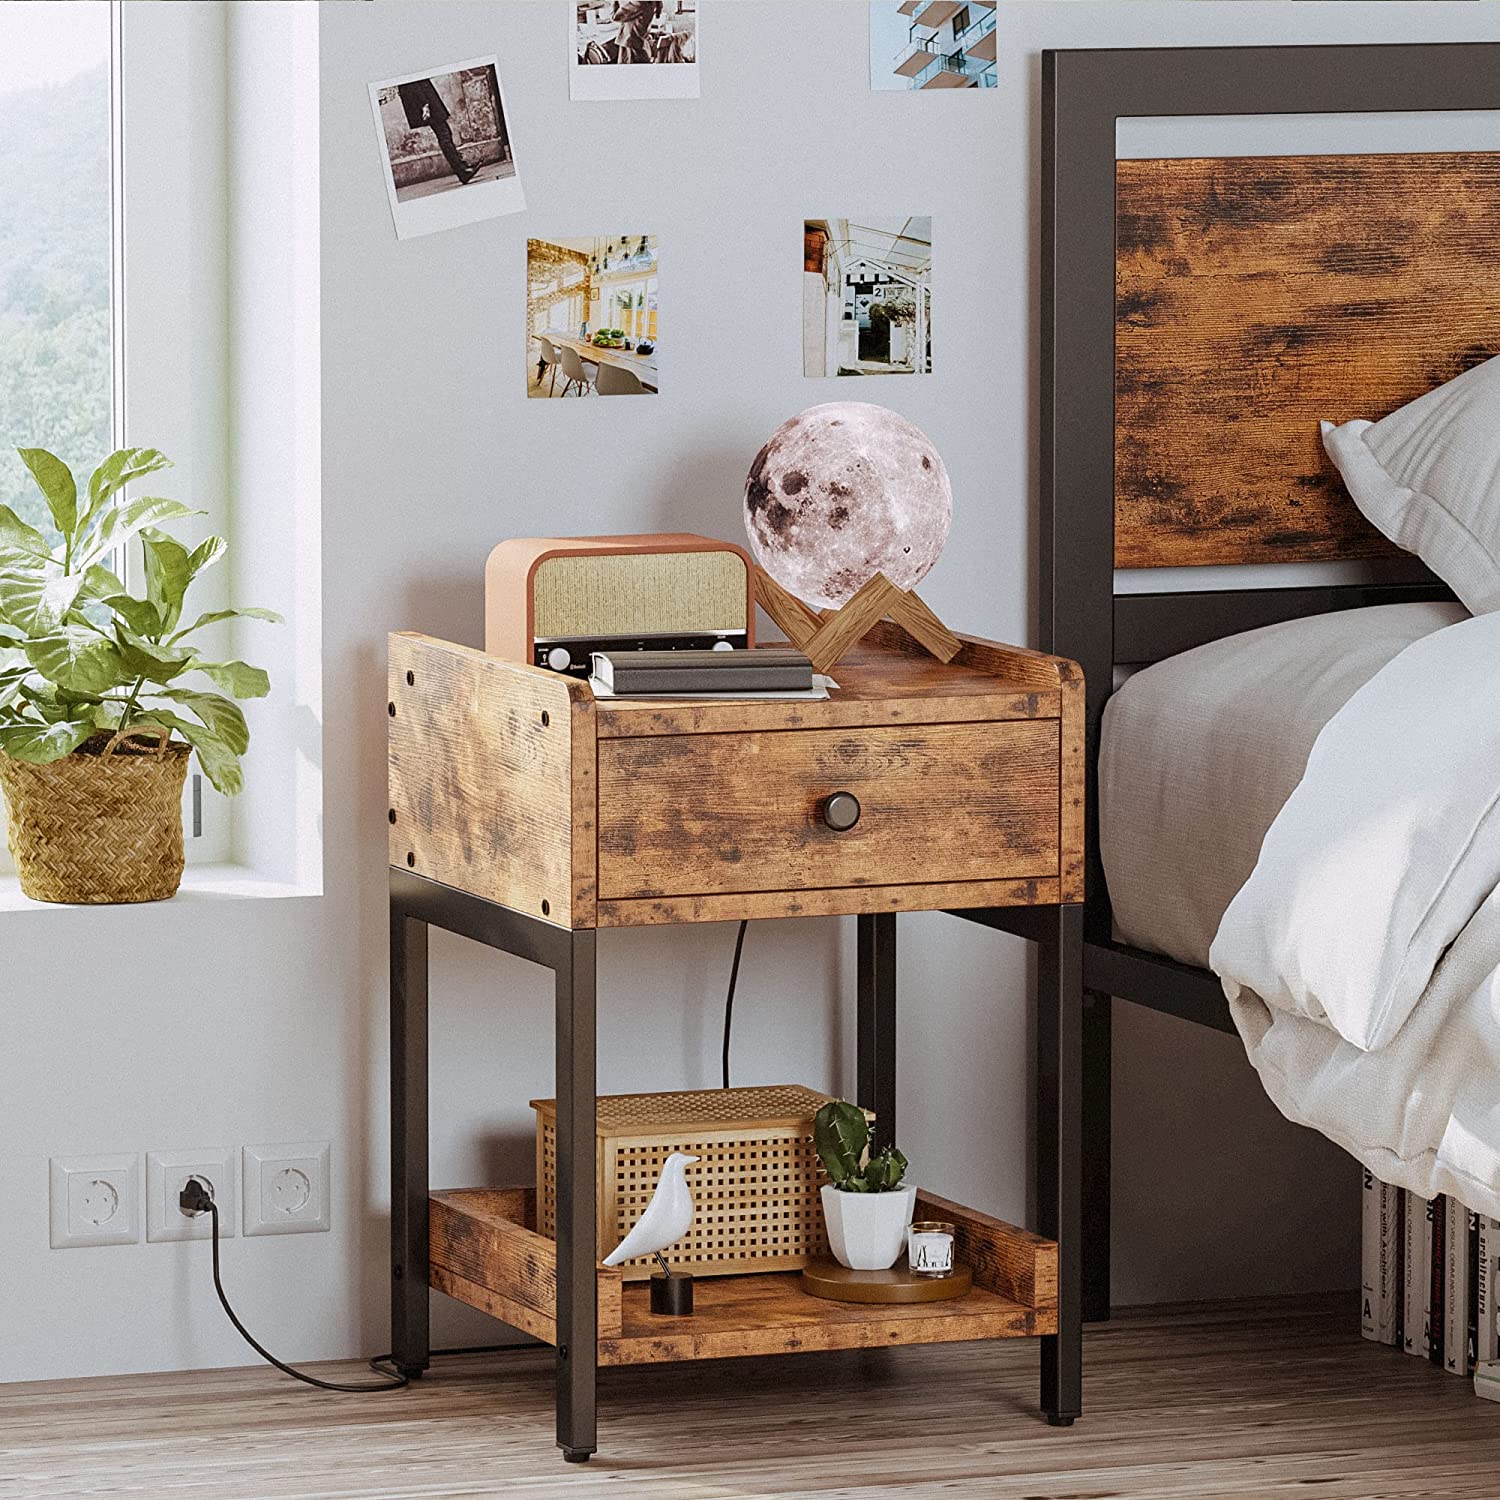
x,y
591,316
932,44
867,296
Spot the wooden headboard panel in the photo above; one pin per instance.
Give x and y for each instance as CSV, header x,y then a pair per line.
x,y
1256,295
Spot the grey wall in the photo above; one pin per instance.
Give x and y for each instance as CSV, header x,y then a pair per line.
x,y
431,454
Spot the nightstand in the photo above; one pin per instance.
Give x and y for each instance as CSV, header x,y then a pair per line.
x,y
526,815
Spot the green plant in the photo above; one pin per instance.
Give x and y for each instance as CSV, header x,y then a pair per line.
x,y
83,660
841,1137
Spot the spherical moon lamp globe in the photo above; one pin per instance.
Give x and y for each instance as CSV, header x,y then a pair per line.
x,y
842,492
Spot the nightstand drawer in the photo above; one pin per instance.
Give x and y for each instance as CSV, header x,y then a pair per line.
x,y
700,814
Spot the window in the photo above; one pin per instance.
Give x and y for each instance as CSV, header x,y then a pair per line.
x,y
960,22
57,386
149,295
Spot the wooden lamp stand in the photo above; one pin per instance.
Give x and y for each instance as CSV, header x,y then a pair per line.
x,y
824,636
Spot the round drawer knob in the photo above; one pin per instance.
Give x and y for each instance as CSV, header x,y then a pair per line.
x,y
841,811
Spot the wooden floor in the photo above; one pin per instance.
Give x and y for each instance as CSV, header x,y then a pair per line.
x,y
1241,1400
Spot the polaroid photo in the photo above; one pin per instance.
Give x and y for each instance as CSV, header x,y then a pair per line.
x,y
446,147
933,44
633,49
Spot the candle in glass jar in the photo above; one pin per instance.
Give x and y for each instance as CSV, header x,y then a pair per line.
x,y
929,1248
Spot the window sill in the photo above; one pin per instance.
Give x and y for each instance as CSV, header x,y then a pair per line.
x,y
200,883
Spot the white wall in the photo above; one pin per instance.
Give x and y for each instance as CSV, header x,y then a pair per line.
x,y
209,1023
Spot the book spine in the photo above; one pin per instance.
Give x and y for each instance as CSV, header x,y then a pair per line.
x,y
1437,1220
1471,1340
1416,1333
1380,1293
1487,1338
1388,1310
693,680
1456,1288
1398,1269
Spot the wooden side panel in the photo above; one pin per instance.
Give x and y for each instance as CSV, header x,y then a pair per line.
x,y
705,814
491,768
1011,1262
1073,790
1256,296
477,1244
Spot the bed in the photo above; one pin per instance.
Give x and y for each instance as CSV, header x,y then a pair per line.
x,y
1198,319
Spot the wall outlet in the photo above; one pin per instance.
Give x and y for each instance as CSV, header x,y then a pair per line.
x,y
167,1173
96,1200
286,1188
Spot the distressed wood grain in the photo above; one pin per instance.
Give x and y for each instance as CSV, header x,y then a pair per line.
x,y
491,778
482,1255
1256,296
706,814
840,901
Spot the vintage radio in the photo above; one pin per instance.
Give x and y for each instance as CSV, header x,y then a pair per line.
x,y
552,601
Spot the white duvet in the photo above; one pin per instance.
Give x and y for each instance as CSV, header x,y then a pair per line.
x,y
1362,957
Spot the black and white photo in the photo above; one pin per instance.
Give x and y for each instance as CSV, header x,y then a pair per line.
x,y
446,147
634,49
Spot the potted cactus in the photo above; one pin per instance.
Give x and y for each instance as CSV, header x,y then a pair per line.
x,y
106,693
865,1206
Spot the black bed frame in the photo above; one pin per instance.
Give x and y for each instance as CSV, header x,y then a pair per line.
x,y
1084,94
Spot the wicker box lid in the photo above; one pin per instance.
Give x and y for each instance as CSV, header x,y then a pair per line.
x,y
786,1106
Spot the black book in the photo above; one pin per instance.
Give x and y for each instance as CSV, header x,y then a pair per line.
x,y
767,671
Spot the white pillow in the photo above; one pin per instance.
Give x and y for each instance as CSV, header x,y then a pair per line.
x,y
1428,476
1385,850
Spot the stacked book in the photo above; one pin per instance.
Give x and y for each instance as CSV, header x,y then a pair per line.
x,y
1428,1281
767,673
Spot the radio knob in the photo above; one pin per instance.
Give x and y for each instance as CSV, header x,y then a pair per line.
x,y
841,811
722,646
559,658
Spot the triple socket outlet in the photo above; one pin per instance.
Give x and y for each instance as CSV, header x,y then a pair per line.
x,y
96,1200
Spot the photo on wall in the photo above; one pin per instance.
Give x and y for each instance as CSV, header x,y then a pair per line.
x,y
932,44
867,296
592,316
446,147
634,49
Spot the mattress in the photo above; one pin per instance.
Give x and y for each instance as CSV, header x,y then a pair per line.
x,y
1199,752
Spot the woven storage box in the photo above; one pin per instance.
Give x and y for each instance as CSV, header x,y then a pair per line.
x,y
755,1191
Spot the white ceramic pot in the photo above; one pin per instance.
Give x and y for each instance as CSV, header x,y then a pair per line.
x,y
867,1231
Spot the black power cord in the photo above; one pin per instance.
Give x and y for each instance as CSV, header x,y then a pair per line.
x,y
734,974
195,1199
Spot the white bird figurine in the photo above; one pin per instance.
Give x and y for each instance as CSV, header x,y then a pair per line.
x,y
668,1216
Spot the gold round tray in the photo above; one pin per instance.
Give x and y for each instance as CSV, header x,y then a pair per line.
x,y
836,1283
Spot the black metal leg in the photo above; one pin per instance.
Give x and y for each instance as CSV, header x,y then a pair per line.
x,y
1097,1064
410,1337
1059,1151
577,1233
875,1044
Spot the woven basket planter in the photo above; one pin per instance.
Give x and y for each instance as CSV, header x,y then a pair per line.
x,y
102,826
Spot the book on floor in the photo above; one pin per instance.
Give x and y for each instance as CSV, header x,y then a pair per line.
x,y
1437,1265
1416,1322
1487,1264
1379,1256
1457,1341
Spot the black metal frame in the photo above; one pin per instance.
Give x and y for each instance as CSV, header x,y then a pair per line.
x,y
1084,96
416,904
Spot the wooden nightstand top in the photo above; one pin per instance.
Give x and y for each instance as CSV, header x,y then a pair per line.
x,y
514,784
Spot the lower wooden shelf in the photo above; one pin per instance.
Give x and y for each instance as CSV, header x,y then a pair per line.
x,y
484,1250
